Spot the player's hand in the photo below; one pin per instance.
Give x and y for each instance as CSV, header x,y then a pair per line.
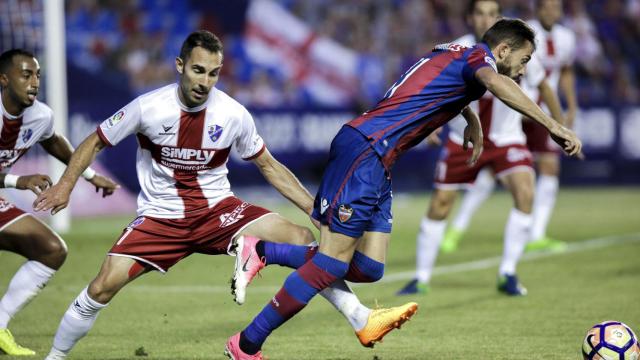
x,y
434,138
107,185
36,183
54,198
568,140
473,135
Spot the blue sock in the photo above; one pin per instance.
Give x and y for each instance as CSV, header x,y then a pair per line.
x,y
364,269
288,255
302,285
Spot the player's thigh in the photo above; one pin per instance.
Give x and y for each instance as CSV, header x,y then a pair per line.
x,y
115,273
548,164
442,201
374,245
521,185
337,245
32,239
275,228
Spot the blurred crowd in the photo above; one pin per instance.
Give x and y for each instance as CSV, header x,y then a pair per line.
x,y
135,43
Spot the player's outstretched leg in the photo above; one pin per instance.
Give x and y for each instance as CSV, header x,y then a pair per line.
x,y
79,318
474,197
45,251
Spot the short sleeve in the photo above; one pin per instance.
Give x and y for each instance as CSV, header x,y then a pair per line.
x,y
249,144
49,130
534,73
476,60
121,124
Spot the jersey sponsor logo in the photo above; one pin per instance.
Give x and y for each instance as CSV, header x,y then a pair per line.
x,y
26,135
233,217
9,157
5,205
186,159
214,132
324,204
344,213
490,61
116,118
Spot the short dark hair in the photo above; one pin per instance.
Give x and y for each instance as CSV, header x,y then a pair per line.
x,y
472,5
514,32
6,58
202,38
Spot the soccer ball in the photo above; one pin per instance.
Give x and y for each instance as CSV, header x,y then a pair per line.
x,y
610,340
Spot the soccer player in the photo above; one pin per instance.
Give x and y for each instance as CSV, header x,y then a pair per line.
x,y
26,122
505,155
556,44
185,133
353,203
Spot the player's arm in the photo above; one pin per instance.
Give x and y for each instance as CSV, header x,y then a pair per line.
x,y
284,181
510,93
56,197
568,87
473,134
60,148
550,98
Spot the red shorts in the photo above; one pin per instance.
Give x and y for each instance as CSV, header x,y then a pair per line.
x,y
9,213
161,243
538,139
452,169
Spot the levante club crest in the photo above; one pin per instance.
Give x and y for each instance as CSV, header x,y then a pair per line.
x,y
214,132
345,212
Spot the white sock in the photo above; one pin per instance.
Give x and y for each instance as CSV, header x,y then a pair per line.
x,y
429,239
473,198
75,324
24,286
516,234
543,202
342,298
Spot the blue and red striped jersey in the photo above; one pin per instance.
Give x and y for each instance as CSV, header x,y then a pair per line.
x,y
430,93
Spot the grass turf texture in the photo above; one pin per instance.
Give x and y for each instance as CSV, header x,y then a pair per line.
x,y
189,313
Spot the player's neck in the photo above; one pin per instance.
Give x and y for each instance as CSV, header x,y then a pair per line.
x,y
10,107
546,27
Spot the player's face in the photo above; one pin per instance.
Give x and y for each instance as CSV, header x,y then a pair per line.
x,y
22,81
484,15
511,62
549,12
198,75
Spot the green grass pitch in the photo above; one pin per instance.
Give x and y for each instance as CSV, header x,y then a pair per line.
x,y
189,313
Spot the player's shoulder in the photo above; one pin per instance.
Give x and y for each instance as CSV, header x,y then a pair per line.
x,y
221,100
564,33
161,94
38,110
467,40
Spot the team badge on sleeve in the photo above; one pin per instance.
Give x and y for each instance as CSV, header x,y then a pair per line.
x,y
214,132
345,212
116,118
26,135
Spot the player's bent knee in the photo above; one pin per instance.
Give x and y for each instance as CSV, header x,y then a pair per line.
x,y
53,251
364,269
100,291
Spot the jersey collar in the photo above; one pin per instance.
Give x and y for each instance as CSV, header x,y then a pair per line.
x,y
192,109
486,48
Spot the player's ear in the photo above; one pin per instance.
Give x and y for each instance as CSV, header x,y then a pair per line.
x,y
503,51
179,65
4,80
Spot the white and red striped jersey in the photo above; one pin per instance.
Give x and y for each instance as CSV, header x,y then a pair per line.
x,y
555,49
501,125
21,132
182,154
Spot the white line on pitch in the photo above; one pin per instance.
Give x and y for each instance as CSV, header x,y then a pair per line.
x,y
481,264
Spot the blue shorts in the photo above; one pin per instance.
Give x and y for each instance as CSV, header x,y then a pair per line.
x,y
355,192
